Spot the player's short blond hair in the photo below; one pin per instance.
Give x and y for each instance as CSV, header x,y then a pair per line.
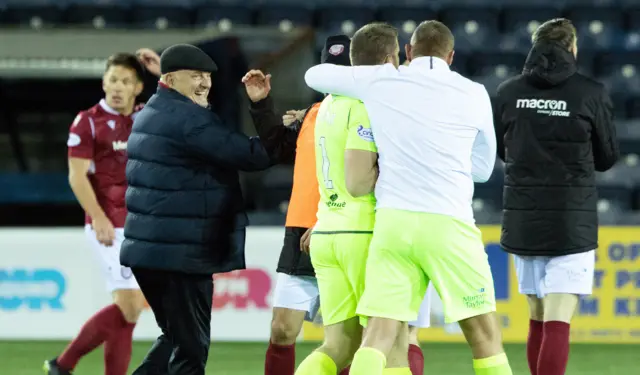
x,y
557,30
372,43
432,38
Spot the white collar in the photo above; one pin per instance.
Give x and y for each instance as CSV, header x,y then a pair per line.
x,y
105,107
431,62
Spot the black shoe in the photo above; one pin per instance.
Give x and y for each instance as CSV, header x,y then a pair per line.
x,y
51,367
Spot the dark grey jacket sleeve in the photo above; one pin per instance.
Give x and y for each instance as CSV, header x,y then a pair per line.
x,y
226,147
606,151
279,139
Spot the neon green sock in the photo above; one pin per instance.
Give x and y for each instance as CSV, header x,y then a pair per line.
x,y
317,363
368,361
397,371
496,365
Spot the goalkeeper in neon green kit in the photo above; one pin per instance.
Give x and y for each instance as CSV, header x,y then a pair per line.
x,y
346,168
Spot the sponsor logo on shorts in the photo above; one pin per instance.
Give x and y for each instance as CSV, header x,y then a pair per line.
x,y
333,202
476,301
365,133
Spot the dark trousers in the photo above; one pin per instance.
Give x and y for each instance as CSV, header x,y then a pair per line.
x,y
182,305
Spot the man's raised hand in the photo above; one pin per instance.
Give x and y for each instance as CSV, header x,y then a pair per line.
x,y
257,84
292,116
150,60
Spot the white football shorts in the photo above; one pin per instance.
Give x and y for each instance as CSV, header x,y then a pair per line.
x,y
567,274
301,293
117,276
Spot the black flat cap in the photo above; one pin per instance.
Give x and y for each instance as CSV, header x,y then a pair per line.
x,y
186,57
336,50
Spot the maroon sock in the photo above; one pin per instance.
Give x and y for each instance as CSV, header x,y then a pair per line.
x,y
345,371
554,352
416,360
117,350
94,332
534,342
281,360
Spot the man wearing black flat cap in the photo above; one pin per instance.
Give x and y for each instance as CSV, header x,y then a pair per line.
x,y
186,218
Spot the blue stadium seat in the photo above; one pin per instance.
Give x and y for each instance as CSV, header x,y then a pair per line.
x,y
633,17
625,80
460,15
591,3
275,189
616,185
405,19
490,194
223,16
279,14
585,63
631,41
33,13
483,63
609,63
609,213
460,61
98,14
344,19
630,146
629,219
633,107
485,213
495,76
518,40
473,28
620,106
527,17
161,14
599,28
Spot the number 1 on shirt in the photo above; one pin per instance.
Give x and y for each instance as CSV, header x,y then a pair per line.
x,y
328,183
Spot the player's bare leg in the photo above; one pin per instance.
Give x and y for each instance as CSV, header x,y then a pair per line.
x,y
558,310
285,328
131,303
341,341
483,335
379,339
534,338
397,360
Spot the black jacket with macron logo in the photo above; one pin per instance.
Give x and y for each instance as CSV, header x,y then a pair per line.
x,y
555,129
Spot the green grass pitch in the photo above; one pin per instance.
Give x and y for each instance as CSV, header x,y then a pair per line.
x,y
26,358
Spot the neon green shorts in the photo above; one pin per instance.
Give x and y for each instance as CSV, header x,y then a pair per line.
x,y
411,249
339,261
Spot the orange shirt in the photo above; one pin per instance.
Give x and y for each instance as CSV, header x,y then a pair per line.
x,y
305,194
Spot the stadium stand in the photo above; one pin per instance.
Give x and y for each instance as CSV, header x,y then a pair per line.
x,y
492,40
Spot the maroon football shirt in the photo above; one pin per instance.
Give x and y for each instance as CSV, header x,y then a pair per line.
x,y
100,134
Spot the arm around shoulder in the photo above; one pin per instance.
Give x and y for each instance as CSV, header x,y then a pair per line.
x,y
211,140
351,81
